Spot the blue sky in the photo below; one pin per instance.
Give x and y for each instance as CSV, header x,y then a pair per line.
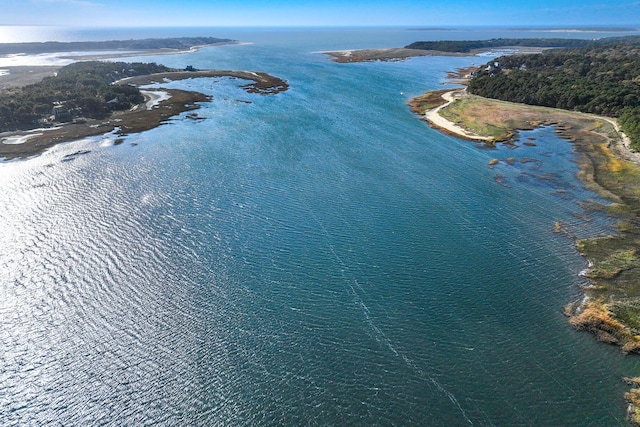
x,y
443,13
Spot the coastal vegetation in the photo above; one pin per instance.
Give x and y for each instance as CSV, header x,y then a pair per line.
x,y
467,46
82,89
612,309
603,78
93,98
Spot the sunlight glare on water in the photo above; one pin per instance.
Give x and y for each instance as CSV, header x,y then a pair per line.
x,y
317,257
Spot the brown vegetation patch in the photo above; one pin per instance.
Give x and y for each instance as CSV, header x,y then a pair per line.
x,y
428,101
595,317
633,399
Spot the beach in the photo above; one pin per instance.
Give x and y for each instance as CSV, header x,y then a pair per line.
x,y
434,118
25,75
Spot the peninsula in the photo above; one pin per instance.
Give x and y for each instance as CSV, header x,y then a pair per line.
x,y
93,98
589,94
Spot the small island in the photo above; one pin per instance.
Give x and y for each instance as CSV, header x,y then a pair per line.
x,y
93,98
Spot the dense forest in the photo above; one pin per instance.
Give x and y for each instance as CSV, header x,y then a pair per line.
x,y
601,79
82,89
180,43
466,46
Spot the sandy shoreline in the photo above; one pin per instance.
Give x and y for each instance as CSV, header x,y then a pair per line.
x,y
149,52
434,118
25,75
154,97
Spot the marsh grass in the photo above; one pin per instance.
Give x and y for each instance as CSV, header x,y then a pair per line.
x,y
612,309
430,100
613,313
596,317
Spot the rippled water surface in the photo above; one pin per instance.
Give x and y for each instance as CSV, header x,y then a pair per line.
x,y
317,257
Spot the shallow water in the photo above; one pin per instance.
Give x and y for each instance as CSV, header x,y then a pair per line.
x,y
316,257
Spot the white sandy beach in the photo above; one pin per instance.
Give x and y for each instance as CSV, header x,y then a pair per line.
x,y
433,116
154,98
21,138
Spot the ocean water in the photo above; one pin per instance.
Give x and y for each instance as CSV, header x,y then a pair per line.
x,y
316,257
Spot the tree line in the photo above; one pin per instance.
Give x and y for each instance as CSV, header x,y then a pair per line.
x,y
601,79
81,89
466,46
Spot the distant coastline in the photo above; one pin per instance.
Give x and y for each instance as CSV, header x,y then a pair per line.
x,y
404,53
471,48
579,29
20,75
389,54
136,45
585,29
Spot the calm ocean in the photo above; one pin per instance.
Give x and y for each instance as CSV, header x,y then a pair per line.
x,y
317,257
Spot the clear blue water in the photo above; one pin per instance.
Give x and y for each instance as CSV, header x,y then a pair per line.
x,y
317,257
